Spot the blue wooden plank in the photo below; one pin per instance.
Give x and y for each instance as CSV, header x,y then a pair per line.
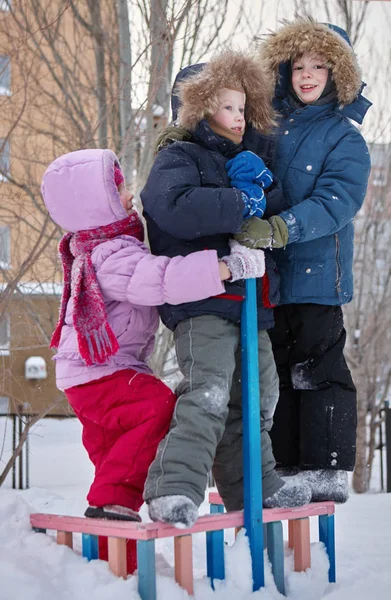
x,y
327,536
252,434
146,568
275,551
215,550
90,548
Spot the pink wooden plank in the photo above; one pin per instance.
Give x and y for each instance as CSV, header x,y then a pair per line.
x,y
146,531
133,530
65,538
183,550
117,556
284,514
301,549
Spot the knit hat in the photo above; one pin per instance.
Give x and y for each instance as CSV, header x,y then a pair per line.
x,y
118,176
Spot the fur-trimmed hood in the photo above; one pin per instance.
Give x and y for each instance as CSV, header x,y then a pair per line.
x,y
306,35
198,92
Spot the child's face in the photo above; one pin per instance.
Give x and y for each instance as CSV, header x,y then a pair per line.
x,y
231,110
309,77
126,198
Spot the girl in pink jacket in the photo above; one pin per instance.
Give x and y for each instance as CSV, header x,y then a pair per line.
x,y
108,320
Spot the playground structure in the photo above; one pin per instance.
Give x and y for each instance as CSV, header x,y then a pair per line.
x,y
253,518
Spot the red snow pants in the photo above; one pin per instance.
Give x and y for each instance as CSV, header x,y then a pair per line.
x,y
124,417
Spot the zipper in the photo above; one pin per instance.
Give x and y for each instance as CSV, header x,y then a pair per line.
x,y
339,270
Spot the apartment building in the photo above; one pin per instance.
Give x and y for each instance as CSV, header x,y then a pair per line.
x,y
48,106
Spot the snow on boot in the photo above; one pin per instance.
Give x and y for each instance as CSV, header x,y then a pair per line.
x,y
287,471
326,484
179,511
292,493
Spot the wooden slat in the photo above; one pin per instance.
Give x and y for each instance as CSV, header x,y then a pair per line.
x,y
65,538
132,530
301,549
146,569
284,514
117,556
275,551
183,552
327,536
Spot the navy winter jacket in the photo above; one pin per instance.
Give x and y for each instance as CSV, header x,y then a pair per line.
x,y
189,206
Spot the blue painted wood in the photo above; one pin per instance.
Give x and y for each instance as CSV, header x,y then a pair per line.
x,y
215,568
327,536
146,568
275,551
252,434
90,548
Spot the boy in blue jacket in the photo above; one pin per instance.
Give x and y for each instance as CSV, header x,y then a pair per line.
x,y
190,203
323,164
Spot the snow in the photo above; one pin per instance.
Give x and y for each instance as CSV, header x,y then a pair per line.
x,y
33,567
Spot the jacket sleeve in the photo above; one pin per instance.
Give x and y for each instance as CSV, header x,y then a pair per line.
x,y
275,200
175,199
134,275
338,195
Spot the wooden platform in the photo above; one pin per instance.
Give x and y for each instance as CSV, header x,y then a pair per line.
x,y
213,525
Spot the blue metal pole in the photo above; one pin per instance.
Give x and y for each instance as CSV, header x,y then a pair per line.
x,y
252,471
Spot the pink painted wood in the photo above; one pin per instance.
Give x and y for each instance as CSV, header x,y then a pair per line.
x,y
284,514
183,549
132,530
301,548
117,556
65,538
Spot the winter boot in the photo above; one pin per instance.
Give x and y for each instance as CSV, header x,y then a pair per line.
x,y
326,484
113,512
179,511
292,493
287,471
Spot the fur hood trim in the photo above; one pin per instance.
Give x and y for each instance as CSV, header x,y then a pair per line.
x,y
198,94
306,35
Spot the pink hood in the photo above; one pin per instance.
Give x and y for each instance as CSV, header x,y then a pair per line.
x,y
79,191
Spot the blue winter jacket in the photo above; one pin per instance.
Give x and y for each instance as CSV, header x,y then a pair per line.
x,y
323,164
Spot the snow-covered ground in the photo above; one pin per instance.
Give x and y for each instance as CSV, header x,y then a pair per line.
x,y
33,567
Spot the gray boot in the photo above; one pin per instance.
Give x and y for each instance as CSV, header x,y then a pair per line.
x,y
177,510
326,484
292,493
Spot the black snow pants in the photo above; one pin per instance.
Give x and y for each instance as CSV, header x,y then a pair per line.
x,y
316,416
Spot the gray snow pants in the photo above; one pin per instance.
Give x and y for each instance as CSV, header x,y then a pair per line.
x,y
208,416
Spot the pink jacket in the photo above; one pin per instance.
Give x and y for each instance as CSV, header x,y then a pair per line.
x,y
79,192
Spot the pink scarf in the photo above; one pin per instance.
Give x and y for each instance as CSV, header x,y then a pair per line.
x,y
95,337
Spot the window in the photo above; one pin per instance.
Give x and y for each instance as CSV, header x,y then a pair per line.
x,y
4,159
5,75
5,247
5,336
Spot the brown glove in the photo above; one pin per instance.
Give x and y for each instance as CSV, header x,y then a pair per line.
x,y
259,233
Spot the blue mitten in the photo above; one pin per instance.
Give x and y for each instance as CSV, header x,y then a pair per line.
x,y
254,200
247,166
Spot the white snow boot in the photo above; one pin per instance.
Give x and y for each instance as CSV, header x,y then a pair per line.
x,y
177,510
292,493
326,484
